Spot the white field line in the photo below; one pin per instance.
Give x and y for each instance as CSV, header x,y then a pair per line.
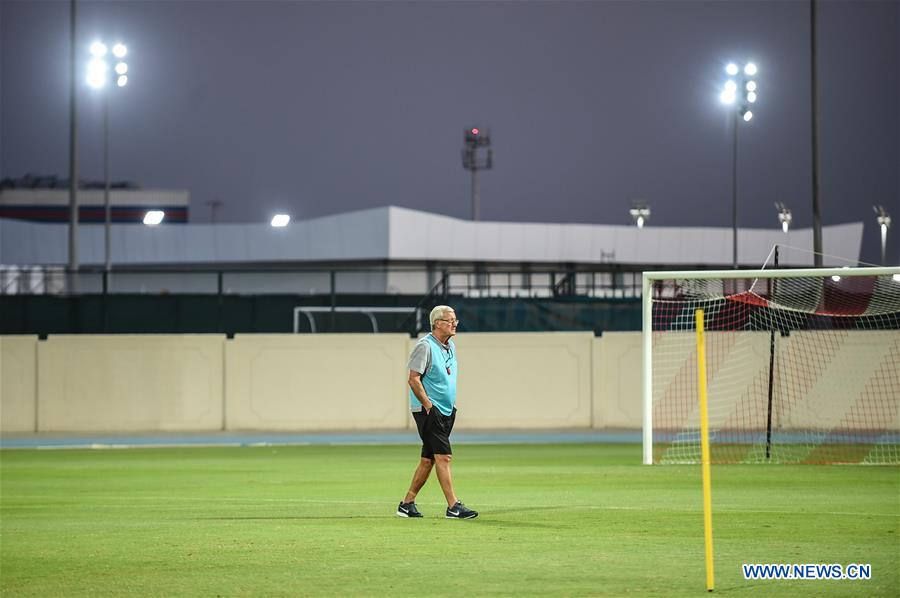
x,y
102,446
500,508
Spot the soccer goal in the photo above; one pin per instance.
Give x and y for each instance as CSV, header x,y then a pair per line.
x,y
803,366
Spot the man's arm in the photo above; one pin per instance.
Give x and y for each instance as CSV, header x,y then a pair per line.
x,y
415,384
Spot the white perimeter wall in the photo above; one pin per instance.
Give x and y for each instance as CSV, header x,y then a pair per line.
x,y
304,382
281,382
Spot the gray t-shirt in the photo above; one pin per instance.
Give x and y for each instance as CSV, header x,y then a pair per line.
x,y
420,358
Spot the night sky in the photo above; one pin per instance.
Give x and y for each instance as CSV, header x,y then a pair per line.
x,y
317,108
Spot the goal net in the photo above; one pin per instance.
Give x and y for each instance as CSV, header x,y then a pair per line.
x,y
803,366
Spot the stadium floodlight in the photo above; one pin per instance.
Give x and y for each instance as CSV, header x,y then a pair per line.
x,y
738,92
640,213
884,223
98,68
98,49
784,216
280,220
96,73
154,217
97,76
729,92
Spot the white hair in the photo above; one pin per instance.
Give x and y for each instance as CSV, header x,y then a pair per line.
x,y
438,312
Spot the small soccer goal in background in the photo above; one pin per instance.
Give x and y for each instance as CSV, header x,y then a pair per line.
x,y
803,366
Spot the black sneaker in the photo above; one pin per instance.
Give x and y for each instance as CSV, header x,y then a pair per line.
x,y
408,509
461,511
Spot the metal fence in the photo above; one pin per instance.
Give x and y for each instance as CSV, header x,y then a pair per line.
x,y
474,282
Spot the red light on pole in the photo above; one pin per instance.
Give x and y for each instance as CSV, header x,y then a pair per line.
x,y
474,131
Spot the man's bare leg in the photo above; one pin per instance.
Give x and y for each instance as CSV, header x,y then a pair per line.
x,y
419,478
442,465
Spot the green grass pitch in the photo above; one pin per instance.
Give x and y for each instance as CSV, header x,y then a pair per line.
x,y
565,520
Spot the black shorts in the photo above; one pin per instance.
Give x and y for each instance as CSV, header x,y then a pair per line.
x,y
434,430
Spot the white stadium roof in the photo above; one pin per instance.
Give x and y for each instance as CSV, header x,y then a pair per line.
x,y
403,235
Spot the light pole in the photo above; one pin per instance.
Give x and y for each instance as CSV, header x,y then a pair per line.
x,y
214,204
73,152
474,139
884,223
97,78
784,216
739,91
814,130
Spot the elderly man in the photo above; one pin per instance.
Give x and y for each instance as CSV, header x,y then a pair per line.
x,y
432,398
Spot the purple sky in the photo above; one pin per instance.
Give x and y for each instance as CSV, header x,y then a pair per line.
x,y
316,108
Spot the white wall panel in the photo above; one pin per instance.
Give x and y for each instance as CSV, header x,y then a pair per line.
x,y
617,380
121,383
18,377
316,382
524,380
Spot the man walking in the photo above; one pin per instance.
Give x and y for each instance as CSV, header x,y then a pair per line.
x,y
432,399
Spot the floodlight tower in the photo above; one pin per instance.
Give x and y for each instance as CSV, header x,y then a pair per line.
x,y
640,213
784,216
739,92
73,151
97,77
476,138
884,223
